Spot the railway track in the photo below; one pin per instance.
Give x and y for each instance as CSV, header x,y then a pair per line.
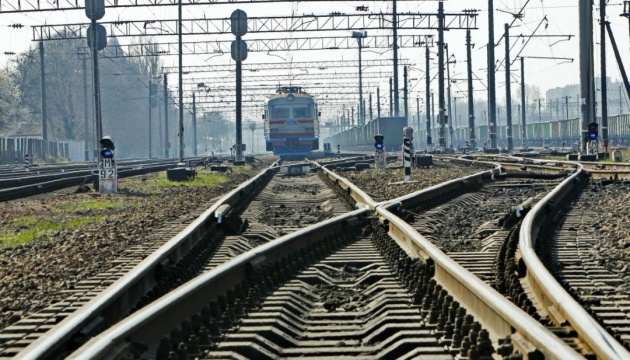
x,y
571,244
363,284
286,204
258,281
23,184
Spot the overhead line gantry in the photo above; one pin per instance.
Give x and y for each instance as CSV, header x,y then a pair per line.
x,y
321,65
301,23
20,6
222,47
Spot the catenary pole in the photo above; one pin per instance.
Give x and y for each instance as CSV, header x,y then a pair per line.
x,y
42,67
471,106
395,47
181,85
166,142
508,89
603,77
492,96
428,95
441,100
523,112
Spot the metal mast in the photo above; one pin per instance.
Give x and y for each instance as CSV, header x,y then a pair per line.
x,y
492,96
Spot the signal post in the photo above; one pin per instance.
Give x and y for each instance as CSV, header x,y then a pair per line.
x,y
592,145
108,172
379,155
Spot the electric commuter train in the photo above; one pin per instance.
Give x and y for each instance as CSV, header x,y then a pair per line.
x,y
291,122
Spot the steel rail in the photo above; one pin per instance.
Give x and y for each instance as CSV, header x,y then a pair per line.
x,y
362,198
561,306
500,316
17,192
160,316
134,284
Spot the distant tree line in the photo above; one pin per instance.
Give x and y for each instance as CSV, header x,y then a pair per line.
x,y
124,87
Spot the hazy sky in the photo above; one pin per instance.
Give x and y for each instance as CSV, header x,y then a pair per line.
x,y
562,19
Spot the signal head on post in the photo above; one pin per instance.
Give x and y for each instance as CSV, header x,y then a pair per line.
x,y
107,147
378,141
592,131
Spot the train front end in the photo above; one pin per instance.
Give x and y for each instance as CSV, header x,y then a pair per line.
x,y
291,123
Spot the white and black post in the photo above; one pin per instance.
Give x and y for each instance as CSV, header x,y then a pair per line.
x,y
408,134
27,161
407,158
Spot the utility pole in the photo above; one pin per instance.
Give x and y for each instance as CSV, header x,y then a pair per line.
x,y
86,136
566,105
433,109
391,100
492,97
539,111
448,92
441,104
395,46
363,111
96,78
622,68
586,70
378,103
359,35
418,117
166,142
150,110
453,119
523,115
471,110
159,125
371,114
405,98
603,85
428,98
352,119
508,89
42,66
181,85
194,125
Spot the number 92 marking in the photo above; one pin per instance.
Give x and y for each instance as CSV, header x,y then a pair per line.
x,y
107,173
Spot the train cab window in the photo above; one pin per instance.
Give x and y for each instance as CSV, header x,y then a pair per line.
x,y
291,122
280,113
304,112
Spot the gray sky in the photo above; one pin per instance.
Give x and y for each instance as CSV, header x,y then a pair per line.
x,y
562,19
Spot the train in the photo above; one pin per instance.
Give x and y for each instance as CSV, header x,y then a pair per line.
x,y
556,133
291,122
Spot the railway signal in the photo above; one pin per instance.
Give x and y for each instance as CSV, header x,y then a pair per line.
x,y
593,131
107,147
108,173
378,141
379,156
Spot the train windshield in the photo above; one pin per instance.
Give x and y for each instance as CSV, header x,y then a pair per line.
x,y
304,112
280,113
